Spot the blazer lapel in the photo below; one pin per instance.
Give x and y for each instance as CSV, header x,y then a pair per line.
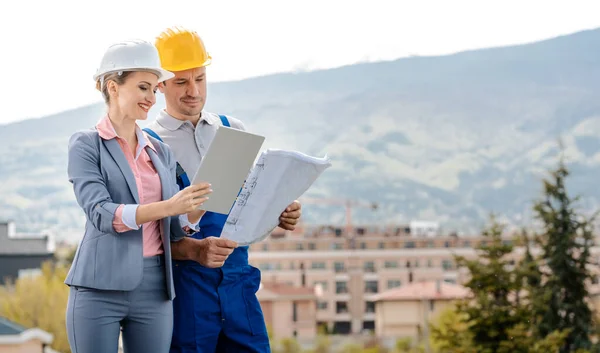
x,y
163,173
117,153
165,183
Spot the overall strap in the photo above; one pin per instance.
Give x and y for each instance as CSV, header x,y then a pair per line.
x,y
224,120
182,179
152,133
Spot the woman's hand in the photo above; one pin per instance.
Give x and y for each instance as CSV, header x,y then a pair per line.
x,y
189,199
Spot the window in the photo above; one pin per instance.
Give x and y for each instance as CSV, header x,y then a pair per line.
x,y
341,287
323,284
265,266
29,273
336,246
391,264
317,265
299,246
341,307
430,263
339,267
381,245
371,286
447,265
416,263
311,246
265,247
393,283
294,312
321,305
369,307
363,245
369,266
409,244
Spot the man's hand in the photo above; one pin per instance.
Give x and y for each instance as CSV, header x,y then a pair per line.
x,y
289,217
212,252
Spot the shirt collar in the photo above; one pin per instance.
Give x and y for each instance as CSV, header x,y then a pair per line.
x,y
107,131
170,123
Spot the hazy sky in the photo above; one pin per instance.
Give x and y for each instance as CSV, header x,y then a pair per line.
x,y
51,49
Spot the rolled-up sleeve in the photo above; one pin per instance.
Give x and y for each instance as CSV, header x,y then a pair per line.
x,y
185,222
128,217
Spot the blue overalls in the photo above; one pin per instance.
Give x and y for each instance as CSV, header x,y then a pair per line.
x,y
216,309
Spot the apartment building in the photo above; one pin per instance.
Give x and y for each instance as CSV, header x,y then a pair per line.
x,y
289,311
15,338
348,270
406,311
22,254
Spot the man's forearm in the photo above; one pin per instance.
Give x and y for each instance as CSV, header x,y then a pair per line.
x,y
184,249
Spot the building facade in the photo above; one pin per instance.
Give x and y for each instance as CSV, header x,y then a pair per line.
x,y
348,271
22,254
15,338
289,311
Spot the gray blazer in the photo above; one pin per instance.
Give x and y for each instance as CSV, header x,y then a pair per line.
x,y
102,179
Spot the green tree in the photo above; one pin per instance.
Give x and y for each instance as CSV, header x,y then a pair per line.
x,y
290,345
497,318
39,301
449,334
351,348
494,286
565,243
323,344
524,340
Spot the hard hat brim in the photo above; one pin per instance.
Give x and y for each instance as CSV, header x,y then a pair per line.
x,y
178,68
163,75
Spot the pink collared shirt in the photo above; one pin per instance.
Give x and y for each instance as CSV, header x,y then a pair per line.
x,y
148,186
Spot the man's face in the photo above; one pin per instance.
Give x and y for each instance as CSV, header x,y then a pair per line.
x,y
185,94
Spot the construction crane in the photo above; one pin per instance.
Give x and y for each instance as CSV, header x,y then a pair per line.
x,y
347,203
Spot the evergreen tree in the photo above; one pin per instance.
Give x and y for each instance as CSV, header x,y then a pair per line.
x,y
494,284
565,243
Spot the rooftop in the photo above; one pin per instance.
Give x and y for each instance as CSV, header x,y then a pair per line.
x,y
429,290
13,243
8,327
279,291
12,333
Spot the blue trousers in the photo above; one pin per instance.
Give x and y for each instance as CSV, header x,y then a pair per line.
x,y
216,310
95,318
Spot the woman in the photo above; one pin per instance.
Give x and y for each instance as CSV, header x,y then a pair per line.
x,y
124,180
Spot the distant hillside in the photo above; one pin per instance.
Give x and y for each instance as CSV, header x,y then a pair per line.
x,y
448,138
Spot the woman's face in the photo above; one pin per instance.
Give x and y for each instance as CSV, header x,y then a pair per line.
x,y
136,95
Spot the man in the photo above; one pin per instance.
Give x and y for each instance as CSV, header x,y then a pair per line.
x,y
216,308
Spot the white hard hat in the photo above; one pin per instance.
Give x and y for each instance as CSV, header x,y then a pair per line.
x,y
132,55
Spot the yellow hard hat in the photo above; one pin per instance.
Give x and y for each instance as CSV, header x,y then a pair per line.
x,y
181,49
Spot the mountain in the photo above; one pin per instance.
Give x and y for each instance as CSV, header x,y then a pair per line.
x,y
447,139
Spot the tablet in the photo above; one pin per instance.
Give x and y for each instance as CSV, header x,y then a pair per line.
x,y
228,161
